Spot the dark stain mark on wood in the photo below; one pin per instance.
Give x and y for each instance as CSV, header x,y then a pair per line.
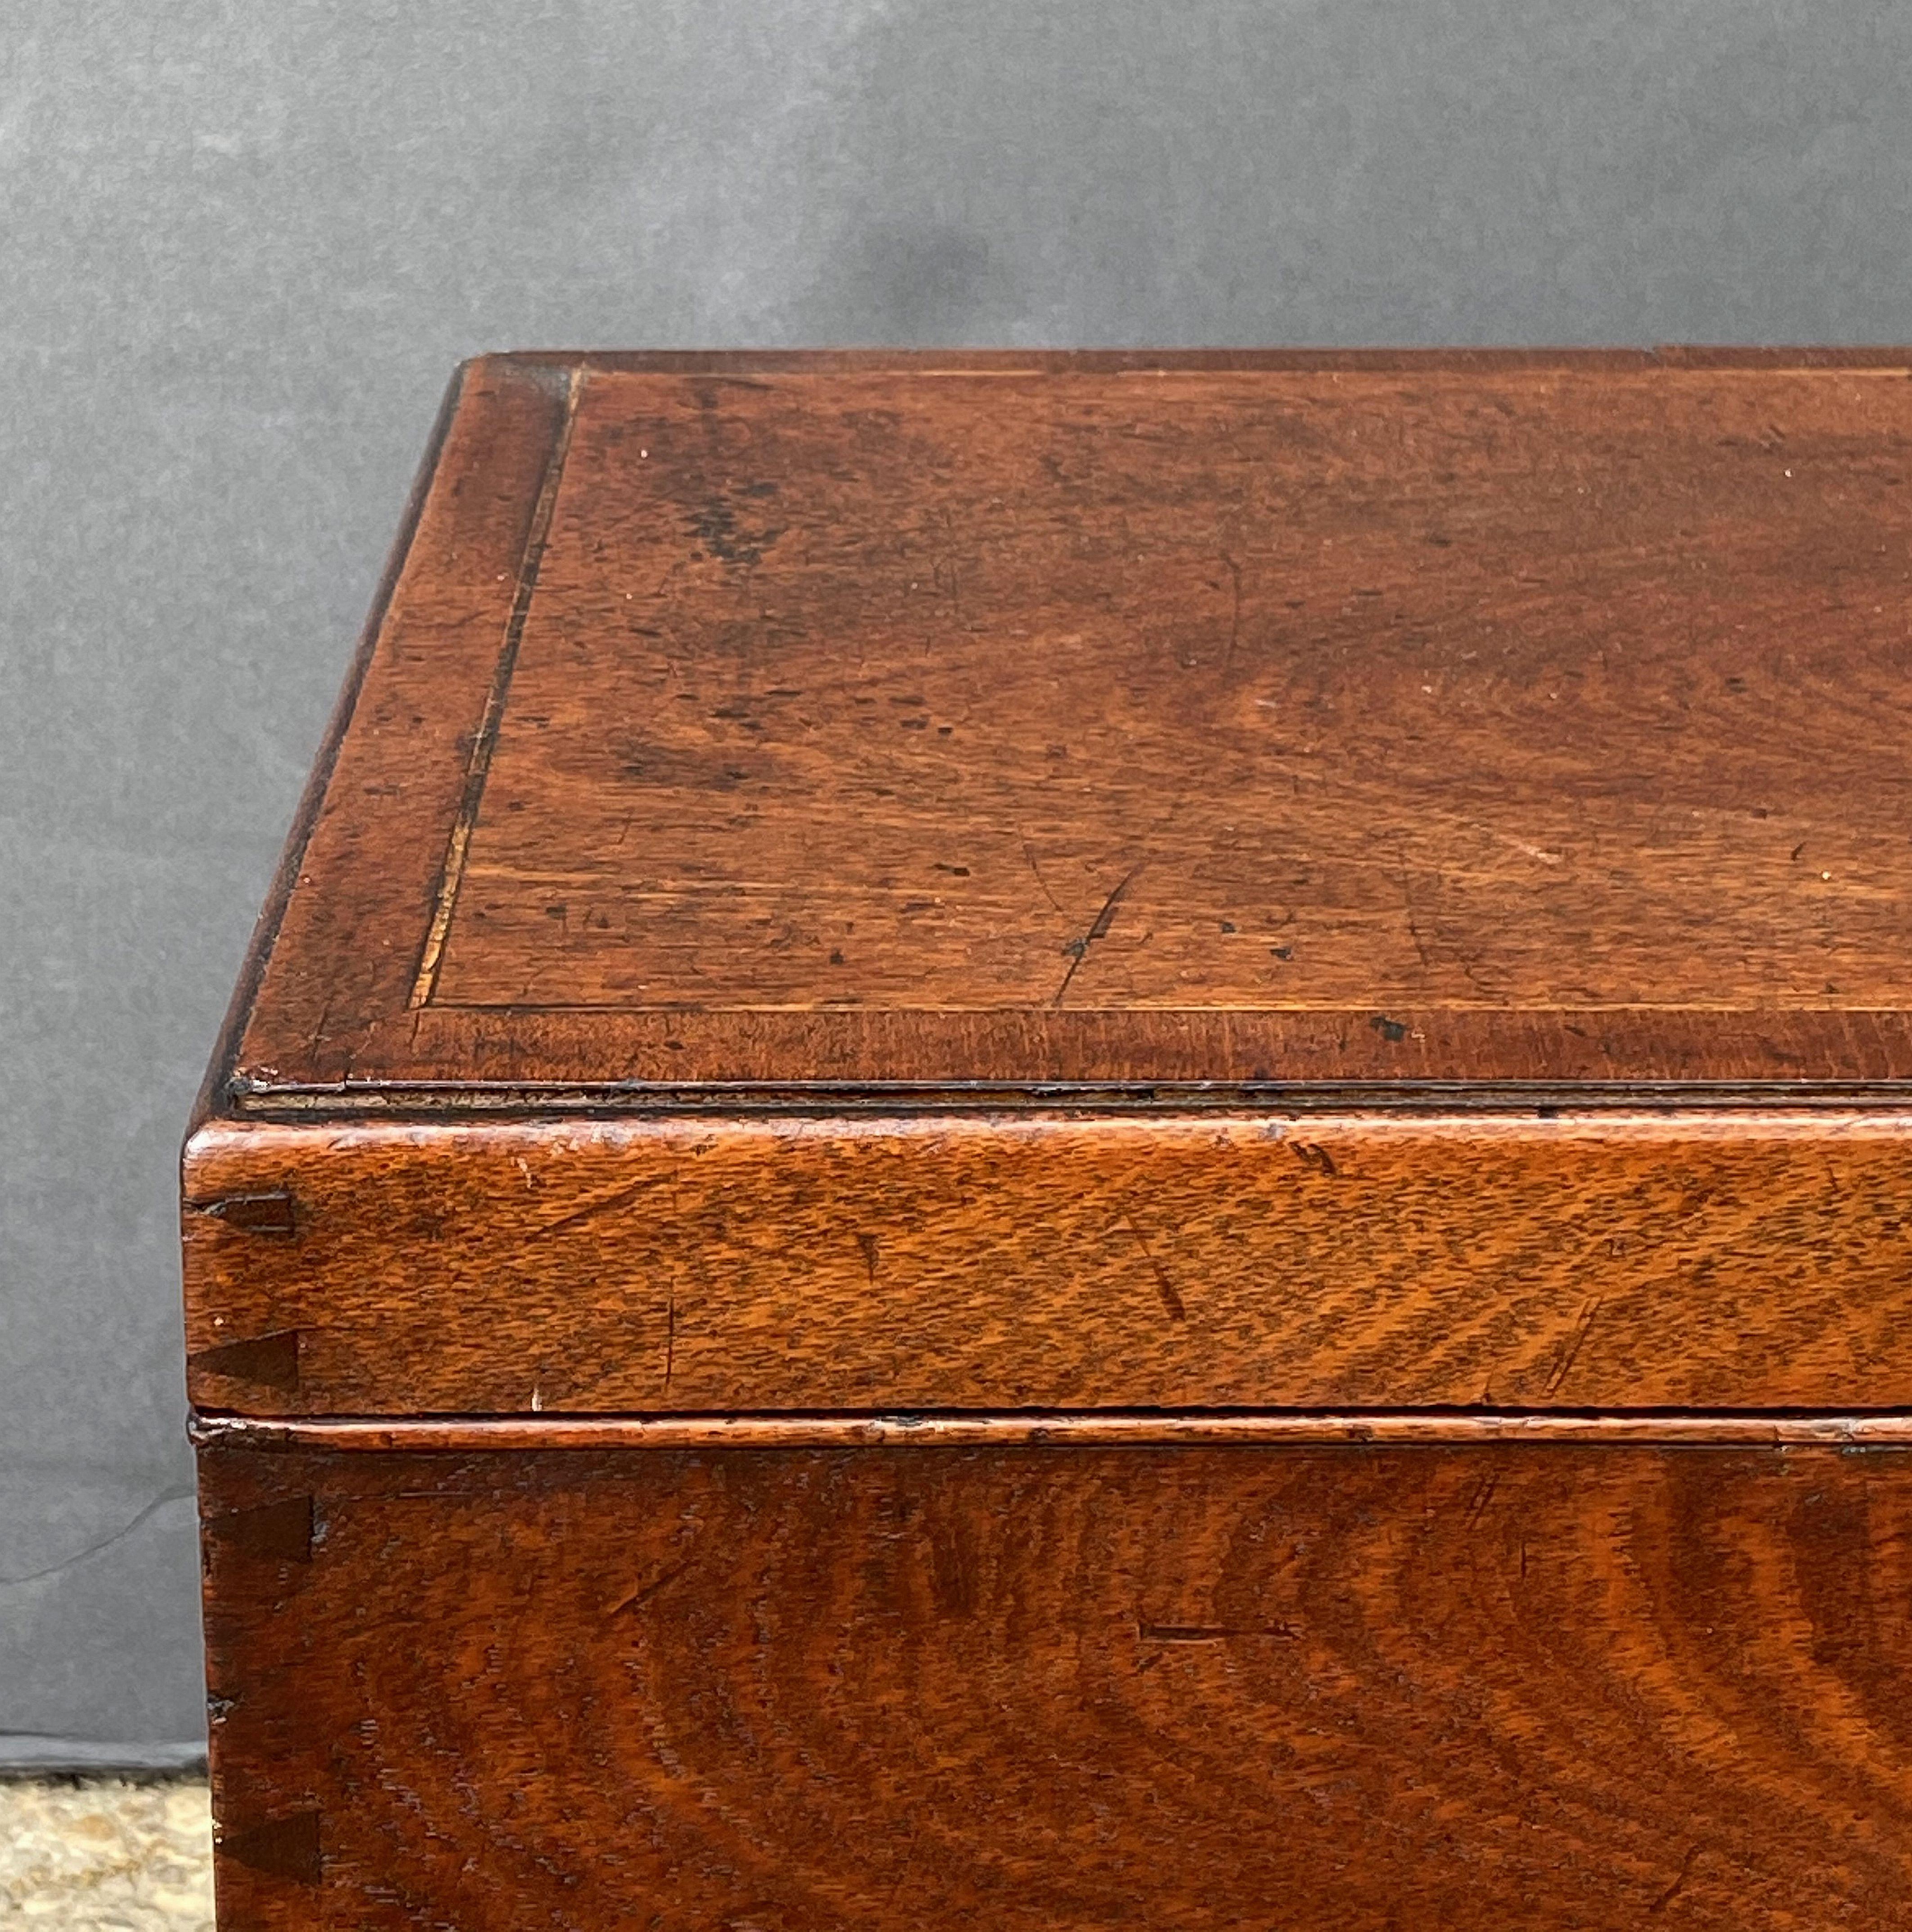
x,y
271,1361
867,1243
717,528
1312,1156
1390,1031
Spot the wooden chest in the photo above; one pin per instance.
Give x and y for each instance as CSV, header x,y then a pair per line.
x,y
1037,1141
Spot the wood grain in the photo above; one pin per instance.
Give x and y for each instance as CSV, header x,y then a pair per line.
x,y
1062,1141
1334,692
1722,1260
1354,1688
364,875
1277,719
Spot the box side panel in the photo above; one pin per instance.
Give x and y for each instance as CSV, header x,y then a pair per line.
x,y
1736,1261
1348,1688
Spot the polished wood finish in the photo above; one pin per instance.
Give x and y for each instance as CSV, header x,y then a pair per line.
x,y
1039,1141
1129,720
866,881
1029,695
969,1260
1338,1687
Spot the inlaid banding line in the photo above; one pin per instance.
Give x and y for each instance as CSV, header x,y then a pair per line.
x,y
458,846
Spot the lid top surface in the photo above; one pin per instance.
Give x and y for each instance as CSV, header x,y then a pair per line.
x,y
866,722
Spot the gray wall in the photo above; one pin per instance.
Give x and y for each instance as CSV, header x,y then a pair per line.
x,y
244,243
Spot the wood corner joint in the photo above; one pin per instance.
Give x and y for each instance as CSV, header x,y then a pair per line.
x,y
289,1847
284,1532
270,1360
270,1211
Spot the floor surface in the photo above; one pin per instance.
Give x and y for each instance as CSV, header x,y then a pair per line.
x,y
106,1855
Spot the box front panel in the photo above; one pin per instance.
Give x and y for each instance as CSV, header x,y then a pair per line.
x,y
964,1262
805,1689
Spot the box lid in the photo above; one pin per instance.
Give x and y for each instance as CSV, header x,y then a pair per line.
x,y
1084,810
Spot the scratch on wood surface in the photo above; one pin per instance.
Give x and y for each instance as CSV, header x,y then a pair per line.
x,y
1146,1633
1028,852
1672,1891
1405,882
1539,853
1479,1503
943,568
643,1592
1575,1343
1077,950
1171,1301
603,1202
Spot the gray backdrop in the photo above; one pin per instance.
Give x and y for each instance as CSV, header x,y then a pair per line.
x,y
244,244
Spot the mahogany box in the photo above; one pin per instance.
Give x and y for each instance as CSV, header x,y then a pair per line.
x,y
1040,1142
